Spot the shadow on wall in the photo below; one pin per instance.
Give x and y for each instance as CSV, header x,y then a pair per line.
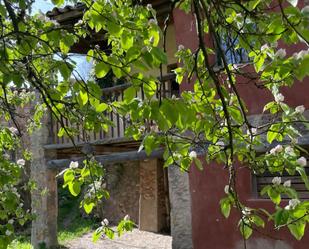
x,y
263,244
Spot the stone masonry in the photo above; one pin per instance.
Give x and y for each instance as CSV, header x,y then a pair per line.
x,y
180,200
44,198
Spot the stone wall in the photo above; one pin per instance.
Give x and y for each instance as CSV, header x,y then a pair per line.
x,y
180,201
123,184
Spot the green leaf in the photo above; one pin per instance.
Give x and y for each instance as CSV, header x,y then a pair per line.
x,y
101,107
126,41
97,234
114,28
198,163
281,217
274,195
68,176
74,188
58,2
258,221
88,206
109,233
150,88
297,229
303,175
271,136
225,206
101,69
259,62
61,132
245,230
154,33
129,94
65,70
303,69
149,144
253,4
83,97
159,55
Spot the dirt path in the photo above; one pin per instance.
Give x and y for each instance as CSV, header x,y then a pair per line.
x,y
131,240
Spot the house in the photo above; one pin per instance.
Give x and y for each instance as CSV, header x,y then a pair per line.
x,y
187,204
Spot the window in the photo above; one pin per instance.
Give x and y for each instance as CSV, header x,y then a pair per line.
x,y
232,54
260,181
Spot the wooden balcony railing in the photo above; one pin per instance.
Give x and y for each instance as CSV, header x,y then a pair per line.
x,y
117,131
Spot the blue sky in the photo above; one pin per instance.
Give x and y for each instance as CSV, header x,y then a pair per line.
x,y
43,5
82,66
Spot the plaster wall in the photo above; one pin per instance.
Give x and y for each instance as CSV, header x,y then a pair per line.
x,y
210,230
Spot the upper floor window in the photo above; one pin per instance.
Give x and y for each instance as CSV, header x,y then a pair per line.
x,y
233,54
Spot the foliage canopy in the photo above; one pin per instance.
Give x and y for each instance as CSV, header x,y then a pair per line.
x,y
210,123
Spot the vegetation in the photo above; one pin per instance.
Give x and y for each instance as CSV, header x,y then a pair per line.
x,y
70,221
212,119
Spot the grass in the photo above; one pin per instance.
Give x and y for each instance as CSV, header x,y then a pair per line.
x,y
71,225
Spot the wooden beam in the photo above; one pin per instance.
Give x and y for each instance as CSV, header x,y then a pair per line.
x,y
104,159
105,141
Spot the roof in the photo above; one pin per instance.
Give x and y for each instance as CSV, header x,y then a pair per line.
x,y
68,13
72,13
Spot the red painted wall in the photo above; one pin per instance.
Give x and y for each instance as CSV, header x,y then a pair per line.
x,y
210,230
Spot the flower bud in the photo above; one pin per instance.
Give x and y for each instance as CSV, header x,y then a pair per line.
x,y
302,161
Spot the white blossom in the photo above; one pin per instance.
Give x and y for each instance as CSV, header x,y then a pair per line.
x,y
220,143
305,10
97,46
289,150
276,180
300,55
276,149
74,165
21,162
264,47
279,97
105,222
226,189
246,211
300,109
302,161
80,22
127,217
292,204
149,7
287,184
13,130
281,53
8,233
152,22
192,154
180,47
151,40
252,131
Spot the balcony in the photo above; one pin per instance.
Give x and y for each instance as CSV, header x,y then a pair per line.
x,y
116,133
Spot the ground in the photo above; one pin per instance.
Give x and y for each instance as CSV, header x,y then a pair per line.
x,y
131,240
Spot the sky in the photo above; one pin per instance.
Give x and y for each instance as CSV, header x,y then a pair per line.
x,y
43,5
82,66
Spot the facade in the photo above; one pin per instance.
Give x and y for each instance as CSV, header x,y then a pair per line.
x,y
185,204
209,228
